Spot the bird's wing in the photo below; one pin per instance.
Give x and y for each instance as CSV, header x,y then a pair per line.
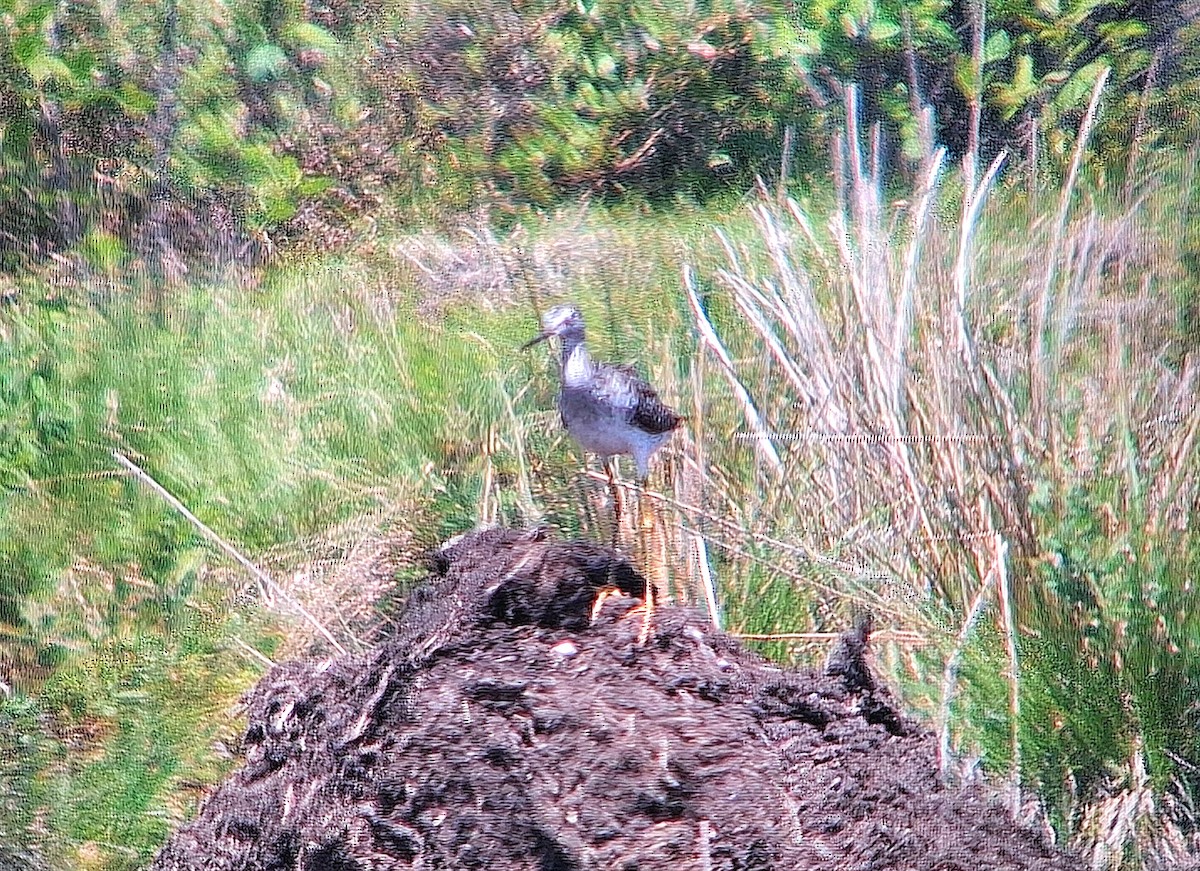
x,y
623,386
652,415
615,385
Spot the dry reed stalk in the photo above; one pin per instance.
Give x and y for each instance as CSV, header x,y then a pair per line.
x,y
706,579
815,248
1139,125
864,580
785,161
747,299
896,636
797,311
908,275
950,670
1009,622
865,362
488,510
870,283
709,337
530,509
1168,490
646,530
1031,160
253,652
931,391
692,480
1117,822
918,437
1039,360
972,206
268,588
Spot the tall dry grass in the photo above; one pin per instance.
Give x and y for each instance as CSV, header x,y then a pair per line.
x,y
965,426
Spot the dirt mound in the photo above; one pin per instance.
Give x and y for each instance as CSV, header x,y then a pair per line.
x,y
501,728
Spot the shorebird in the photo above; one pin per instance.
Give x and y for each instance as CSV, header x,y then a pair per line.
x,y
609,409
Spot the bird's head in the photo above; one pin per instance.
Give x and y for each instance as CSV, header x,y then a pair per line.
x,y
562,320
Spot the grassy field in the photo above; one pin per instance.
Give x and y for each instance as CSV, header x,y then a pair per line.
x,y
967,411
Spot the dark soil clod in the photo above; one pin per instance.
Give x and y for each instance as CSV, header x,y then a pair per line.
x,y
500,728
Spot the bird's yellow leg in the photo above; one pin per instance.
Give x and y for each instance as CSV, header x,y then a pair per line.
x,y
602,597
647,614
615,493
645,530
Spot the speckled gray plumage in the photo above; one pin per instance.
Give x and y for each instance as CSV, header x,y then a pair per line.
x,y
609,409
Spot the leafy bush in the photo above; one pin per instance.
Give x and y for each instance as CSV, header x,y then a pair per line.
x,y
154,133
1040,60
545,99
177,129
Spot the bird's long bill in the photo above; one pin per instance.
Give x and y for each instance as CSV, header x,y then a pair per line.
x,y
540,337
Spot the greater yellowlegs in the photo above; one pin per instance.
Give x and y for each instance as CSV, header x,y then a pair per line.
x,y
609,409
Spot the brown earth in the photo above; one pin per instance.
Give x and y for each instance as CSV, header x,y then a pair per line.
x,y
501,727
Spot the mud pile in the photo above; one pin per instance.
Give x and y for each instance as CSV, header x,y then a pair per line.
x,y
501,728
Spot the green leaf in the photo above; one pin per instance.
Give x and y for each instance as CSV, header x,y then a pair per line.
x,y
43,67
1078,86
1013,96
1119,34
133,99
35,16
964,76
883,30
314,184
785,42
935,32
306,35
81,64
27,46
266,62
18,133
997,47
1023,76
1082,10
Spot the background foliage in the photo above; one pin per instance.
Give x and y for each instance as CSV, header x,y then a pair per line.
x,y
174,132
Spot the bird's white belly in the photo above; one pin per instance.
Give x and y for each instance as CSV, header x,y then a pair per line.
x,y
601,436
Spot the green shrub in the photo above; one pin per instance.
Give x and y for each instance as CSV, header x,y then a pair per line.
x,y
648,96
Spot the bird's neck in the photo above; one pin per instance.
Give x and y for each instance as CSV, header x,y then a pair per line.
x,y
577,368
